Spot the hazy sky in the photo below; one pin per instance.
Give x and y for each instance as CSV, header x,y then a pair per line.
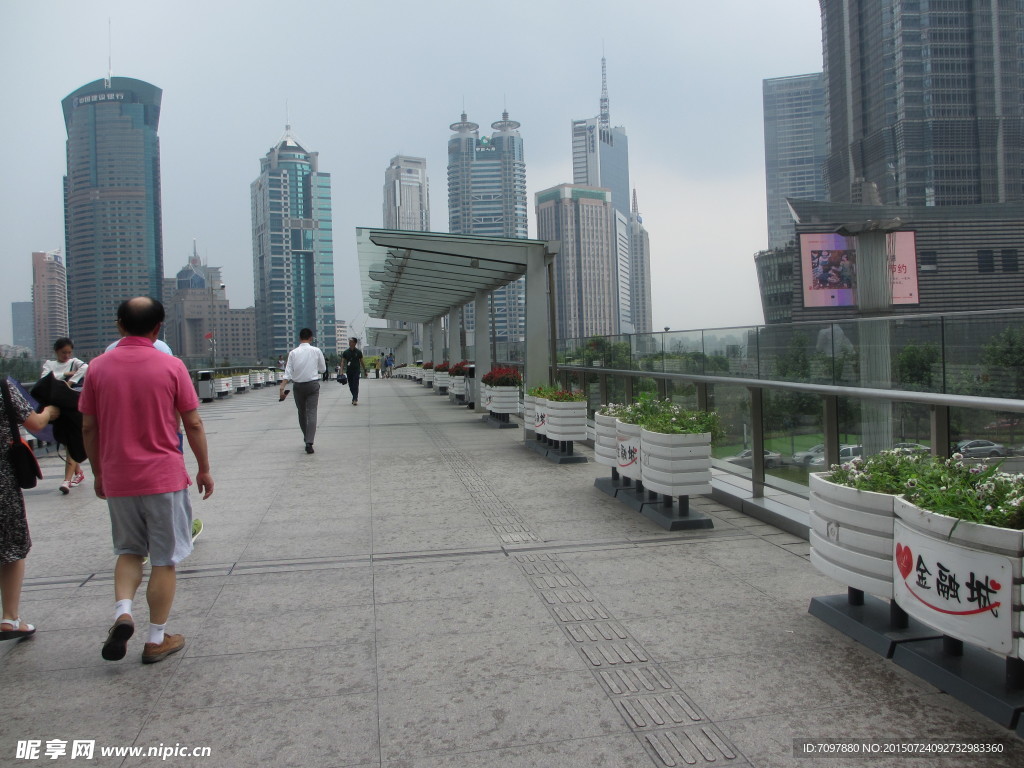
x,y
366,81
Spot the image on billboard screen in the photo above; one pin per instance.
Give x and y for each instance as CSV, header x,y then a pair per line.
x,y
828,265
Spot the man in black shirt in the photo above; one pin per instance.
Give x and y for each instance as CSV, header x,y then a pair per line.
x,y
353,358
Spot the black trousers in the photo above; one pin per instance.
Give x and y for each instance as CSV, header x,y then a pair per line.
x,y
353,383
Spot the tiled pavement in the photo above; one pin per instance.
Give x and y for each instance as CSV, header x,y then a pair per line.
x,y
424,592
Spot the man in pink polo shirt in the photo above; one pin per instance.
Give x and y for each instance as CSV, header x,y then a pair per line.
x,y
129,407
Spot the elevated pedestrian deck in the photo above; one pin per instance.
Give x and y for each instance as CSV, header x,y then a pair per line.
x,y
425,592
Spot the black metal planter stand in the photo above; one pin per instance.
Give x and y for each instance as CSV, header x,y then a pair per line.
x,y
671,513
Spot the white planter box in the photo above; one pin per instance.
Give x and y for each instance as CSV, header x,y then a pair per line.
x,y
271,377
540,415
605,451
566,421
457,385
222,386
961,578
428,376
529,410
240,383
851,535
676,465
627,446
501,399
257,378
441,379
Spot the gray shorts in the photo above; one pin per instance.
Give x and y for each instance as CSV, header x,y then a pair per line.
x,y
158,525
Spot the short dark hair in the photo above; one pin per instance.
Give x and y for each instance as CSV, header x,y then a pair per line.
x,y
62,342
354,338
141,315
305,333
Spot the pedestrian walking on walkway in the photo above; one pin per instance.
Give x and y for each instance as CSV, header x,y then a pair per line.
x,y
71,370
353,358
15,541
130,404
305,365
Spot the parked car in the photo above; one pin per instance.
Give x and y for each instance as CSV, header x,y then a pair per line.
x,y
746,459
846,452
911,448
804,458
978,449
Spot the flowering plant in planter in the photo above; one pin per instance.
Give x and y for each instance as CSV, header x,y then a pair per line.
x,y
428,366
541,392
459,368
675,420
977,493
503,377
441,367
566,395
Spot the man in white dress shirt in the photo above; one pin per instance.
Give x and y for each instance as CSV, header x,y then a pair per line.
x,y
304,366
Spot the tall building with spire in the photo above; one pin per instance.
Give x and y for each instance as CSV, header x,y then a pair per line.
x,y
487,196
112,217
639,271
407,194
49,299
600,158
292,250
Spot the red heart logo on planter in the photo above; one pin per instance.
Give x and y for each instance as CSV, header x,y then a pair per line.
x,y
994,584
904,560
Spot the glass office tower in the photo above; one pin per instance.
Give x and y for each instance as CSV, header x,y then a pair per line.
x,y
293,250
924,101
487,196
112,221
795,148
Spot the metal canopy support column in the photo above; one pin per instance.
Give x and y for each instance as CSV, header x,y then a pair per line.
x,y
455,335
437,340
538,328
481,342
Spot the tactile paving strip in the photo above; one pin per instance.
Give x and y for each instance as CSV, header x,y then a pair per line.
x,y
670,726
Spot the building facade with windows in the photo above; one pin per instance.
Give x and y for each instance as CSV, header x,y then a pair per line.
x,y
639,272
487,196
49,299
924,104
795,148
586,269
112,214
23,335
407,194
293,250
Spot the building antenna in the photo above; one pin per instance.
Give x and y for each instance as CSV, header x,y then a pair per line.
x,y
110,57
606,118
287,119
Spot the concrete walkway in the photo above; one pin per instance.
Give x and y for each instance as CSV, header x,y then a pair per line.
x,y
424,592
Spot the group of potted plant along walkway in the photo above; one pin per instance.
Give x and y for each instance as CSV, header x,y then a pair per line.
x,y
660,455
557,418
941,540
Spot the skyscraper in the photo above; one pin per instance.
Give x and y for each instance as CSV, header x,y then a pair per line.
x,y
21,325
406,194
49,299
586,269
112,218
640,271
924,102
600,158
795,148
487,196
292,250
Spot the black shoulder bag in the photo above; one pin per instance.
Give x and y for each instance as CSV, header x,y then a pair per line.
x,y
20,455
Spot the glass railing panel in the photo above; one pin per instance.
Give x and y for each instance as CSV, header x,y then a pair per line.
x,y
793,435
984,355
800,353
731,352
612,352
683,393
616,389
683,352
990,435
733,405
647,352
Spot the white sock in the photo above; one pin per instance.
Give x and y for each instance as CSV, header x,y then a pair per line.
x,y
156,633
122,606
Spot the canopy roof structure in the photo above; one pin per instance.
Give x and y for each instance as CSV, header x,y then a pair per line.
x,y
387,337
419,276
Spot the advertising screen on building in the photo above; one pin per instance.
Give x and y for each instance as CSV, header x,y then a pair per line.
x,y
829,269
